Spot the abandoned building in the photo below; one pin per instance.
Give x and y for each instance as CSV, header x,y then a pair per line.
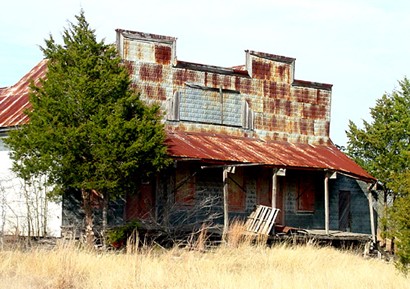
x,y
240,137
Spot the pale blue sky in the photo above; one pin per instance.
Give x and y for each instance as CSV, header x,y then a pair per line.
x,y
360,46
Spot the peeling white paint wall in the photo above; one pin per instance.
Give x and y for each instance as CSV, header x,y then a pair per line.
x,y
23,209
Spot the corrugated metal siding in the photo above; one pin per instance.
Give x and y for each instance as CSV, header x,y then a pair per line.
x,y
284,108
14,99
218,147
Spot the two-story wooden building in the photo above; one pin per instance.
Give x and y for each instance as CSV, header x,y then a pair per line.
x,y
254,128
255,125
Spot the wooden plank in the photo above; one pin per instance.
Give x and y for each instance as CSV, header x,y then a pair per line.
x,y
264,211
268,222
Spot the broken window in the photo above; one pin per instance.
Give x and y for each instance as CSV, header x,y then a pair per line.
x,y
185,185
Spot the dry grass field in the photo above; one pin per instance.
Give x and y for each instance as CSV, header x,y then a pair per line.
x,y
232,266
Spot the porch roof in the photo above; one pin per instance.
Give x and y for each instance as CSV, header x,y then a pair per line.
x,y
219,147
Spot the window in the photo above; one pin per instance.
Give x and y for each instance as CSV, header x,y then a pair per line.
x,y
184,185
198,103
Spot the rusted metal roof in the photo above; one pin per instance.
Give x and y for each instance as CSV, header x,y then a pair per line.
x,y
219,147
14,100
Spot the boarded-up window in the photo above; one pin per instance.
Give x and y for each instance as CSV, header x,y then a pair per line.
x,y
308,184
236,190
210,105
185,185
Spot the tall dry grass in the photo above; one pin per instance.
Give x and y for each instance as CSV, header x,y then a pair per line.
x,y
238,264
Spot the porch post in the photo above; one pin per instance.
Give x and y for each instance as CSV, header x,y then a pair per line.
x,y
327,203
274,187
370,198
225,191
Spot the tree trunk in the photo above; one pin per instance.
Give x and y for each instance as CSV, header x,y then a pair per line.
x,y
89,222
104,220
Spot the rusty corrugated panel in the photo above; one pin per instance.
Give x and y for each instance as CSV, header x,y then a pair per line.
x,y
218,147
15,99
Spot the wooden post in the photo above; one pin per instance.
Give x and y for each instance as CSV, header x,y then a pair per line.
x,y
274,187
371,215
226,209
327,203
222,103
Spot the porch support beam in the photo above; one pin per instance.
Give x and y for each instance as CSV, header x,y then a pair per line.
x,y
274,187
226,209
372,226
327,202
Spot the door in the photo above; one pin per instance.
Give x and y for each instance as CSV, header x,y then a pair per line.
x,y
345,218
264,192
141,204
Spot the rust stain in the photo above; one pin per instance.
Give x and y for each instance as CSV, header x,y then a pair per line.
x,y
214,80
261,70
281,72
129,65
179,77
237,82
163,54
269,89
227,82
323,98
246,86
154,91
287,107
126,46
151,72
161,94
306,127
193,76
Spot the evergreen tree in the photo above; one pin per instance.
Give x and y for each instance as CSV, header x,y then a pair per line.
x,y
88,129
382,147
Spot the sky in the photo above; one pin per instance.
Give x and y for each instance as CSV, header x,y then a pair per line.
x,y
360,46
